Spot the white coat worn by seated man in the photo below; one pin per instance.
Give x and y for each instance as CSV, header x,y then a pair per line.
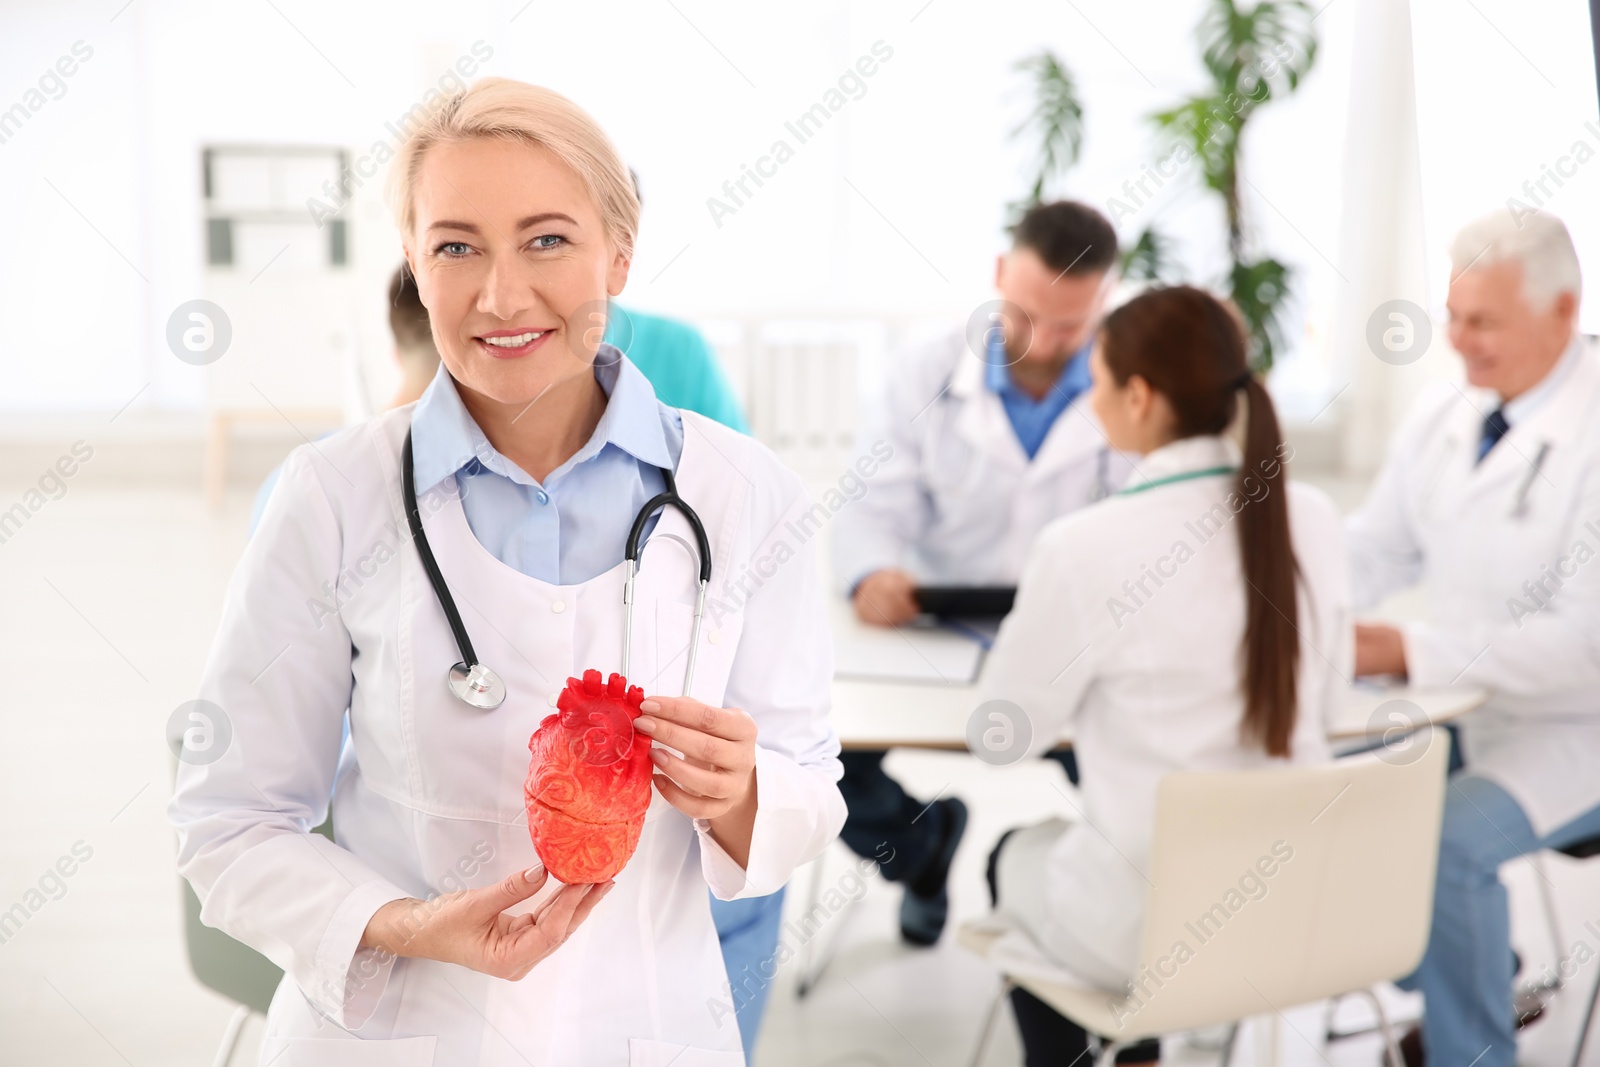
x,y
1490,497
985,438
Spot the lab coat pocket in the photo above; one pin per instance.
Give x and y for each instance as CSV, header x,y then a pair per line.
x,y
352,1052
644,1053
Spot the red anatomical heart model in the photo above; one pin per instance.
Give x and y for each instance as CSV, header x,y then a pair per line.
x,y
589,781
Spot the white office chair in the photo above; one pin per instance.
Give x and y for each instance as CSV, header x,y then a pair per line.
x,y
1351,908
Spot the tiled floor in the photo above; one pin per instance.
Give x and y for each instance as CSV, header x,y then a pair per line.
x,y
109,599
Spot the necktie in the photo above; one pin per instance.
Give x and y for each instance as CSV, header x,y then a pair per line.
x,y
1494,428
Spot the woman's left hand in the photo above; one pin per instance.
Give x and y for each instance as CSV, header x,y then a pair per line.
x,y
716,775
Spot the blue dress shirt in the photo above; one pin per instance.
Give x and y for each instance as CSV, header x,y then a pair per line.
x,y
574,525
1031,419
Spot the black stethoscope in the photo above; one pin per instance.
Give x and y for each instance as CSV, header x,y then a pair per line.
x,y
475,684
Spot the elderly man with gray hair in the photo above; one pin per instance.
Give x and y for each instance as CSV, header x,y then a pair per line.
x,y
1490,498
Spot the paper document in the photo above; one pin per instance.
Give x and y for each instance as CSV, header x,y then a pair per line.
x,y
929,654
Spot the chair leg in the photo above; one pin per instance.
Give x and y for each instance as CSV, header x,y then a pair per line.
x,y
809,972
1330,1012
1331,1034
1547,903
989,1022
1391,1044
1588,1020
1108,1052
216,461
1228,1045
230,1036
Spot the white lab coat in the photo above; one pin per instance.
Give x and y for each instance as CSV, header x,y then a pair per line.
x,y
330,608
957,501
1435,516
1144,678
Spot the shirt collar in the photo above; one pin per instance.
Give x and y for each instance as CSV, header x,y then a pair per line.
x,y
1517,410
1188,454
1074,379
446,438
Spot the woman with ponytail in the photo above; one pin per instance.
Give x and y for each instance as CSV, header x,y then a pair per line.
x,y
1196,621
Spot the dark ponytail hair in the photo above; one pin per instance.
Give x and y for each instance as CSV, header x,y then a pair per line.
x,y
1190,348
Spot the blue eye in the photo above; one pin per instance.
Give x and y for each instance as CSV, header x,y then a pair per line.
x,y
453,249
556,239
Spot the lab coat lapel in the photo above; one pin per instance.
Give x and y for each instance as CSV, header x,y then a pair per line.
x,y
1562,418
1555,423
981,419
1074,436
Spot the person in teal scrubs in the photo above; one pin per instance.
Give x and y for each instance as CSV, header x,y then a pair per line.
x,y
678,362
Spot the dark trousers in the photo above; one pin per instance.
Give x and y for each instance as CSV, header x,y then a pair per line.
x,y
887,824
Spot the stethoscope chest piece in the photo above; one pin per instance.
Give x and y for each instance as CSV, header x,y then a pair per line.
x,y
477,685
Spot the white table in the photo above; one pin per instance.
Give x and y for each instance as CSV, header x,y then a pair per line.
x,y
872,715
896,713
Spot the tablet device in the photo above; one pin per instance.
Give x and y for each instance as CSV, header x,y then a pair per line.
x,y
966,601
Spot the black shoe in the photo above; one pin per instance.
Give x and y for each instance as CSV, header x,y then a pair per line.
x,y
1146,1051
991,873
1528,1005
926,904
1411,1047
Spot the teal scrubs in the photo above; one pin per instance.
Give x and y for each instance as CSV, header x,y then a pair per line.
x,y
678,362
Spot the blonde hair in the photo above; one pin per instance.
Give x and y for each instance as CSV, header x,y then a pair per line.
x,y
532,114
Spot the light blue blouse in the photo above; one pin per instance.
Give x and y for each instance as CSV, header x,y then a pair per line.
x,y
572,526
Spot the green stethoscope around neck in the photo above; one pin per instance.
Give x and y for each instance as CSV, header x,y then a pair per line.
x,y
1186,476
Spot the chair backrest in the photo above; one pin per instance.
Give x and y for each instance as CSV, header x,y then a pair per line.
x,y
1275,888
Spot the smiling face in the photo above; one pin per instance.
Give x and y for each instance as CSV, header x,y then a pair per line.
x,y
1505,343
514,265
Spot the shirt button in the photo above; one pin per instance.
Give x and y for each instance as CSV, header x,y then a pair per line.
x,y
558,606
714,636
555,697
542,497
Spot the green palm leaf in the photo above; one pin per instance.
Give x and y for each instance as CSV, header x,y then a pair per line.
x,y
1056,122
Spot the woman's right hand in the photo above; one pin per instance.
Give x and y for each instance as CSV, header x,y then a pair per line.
x,y
471,928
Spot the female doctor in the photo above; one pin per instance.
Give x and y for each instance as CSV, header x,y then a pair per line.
x,y
1198,620
534,448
